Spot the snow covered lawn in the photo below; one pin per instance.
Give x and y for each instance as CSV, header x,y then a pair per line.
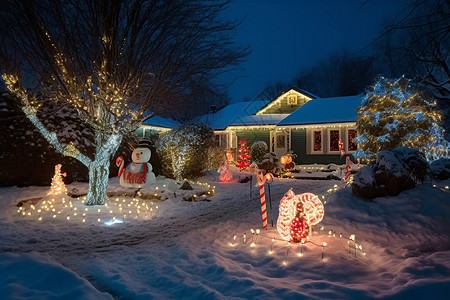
x,y
197,250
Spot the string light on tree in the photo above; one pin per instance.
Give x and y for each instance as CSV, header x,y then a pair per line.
x,y
396,114
243,157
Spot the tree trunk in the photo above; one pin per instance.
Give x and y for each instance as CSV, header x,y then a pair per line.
x,y
99,168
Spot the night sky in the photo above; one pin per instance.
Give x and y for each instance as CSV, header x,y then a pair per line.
x,y
286,36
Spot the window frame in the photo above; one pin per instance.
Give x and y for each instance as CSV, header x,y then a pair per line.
x,y
347,142
321,141
329,141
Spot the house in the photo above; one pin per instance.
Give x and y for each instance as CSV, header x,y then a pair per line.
x,y
296,121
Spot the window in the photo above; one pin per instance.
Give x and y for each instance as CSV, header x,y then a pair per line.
x,y
334,140
281,141
220,140
351,145
317,141
292,100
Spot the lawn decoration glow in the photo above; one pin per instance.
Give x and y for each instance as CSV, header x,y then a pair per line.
x,y
230,158
114,221
225,174
262,179
286,160
138,173
312,208
243,161
341,147
58,187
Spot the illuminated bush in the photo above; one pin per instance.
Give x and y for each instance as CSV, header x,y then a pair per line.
x,y
395,114
184,150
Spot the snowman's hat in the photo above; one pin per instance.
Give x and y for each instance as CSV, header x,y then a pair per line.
x,y
144,143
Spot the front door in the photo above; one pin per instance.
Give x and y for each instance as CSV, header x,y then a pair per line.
x,y
281,145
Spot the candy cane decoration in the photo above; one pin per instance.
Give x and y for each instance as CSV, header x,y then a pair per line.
x,y
261,181
358,159
120,163
348,169
341,147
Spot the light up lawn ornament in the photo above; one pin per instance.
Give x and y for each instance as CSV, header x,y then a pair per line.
x,y
312,212
287,162
58,187
225,174
139,172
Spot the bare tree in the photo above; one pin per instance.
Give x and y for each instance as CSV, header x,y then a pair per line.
x,y
418,46
341,74
111,60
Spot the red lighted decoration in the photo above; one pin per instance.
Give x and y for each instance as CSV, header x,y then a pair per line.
x,y
243,157
334,140
312,213
299,226
352,146
225,174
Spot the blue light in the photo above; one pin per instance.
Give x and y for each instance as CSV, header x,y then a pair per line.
x,y
114,221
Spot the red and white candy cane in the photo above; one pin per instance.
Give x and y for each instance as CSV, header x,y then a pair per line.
x,y
120,163
341,147
348,169
261,181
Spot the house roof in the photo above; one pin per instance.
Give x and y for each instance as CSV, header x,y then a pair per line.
x,y
231,113
157,121
278,98
268,119
325,110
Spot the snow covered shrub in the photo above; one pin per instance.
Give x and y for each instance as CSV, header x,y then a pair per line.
x,y
183,150
258,150
395,114
441,168
391,173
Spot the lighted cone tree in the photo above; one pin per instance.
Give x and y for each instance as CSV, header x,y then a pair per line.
x,y
243,157
396,114
58,186
112,62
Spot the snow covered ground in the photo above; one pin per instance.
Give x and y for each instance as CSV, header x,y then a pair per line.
x,y
196,250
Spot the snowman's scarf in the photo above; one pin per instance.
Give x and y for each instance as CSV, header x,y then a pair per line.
x,y
136,177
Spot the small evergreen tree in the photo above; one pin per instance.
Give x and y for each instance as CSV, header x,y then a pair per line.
x,y
395,114
243,157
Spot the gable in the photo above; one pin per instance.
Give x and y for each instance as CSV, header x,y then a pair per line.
x,y
287,102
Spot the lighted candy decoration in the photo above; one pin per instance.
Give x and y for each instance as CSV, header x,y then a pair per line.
x,y
262,179
225,174
138,173
312,207
286,160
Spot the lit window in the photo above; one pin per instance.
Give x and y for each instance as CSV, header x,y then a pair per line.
x,y
317,140
351,134
334,140
220,140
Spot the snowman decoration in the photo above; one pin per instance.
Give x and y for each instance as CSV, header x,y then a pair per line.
x,y
138,173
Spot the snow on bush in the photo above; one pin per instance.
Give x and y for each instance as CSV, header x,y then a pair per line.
x,y
441,168
393,172
258,150
184,150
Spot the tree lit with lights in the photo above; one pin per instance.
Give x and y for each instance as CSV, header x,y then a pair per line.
x,y
112,62
396,114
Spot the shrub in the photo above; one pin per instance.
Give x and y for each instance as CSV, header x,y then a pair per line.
x,y
258,150
184,149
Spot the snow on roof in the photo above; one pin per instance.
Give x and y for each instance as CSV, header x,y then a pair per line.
x,y
231,113
158,121
325,110
268,119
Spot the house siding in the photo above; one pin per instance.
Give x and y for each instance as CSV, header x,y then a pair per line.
x,y
299,145
253,136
